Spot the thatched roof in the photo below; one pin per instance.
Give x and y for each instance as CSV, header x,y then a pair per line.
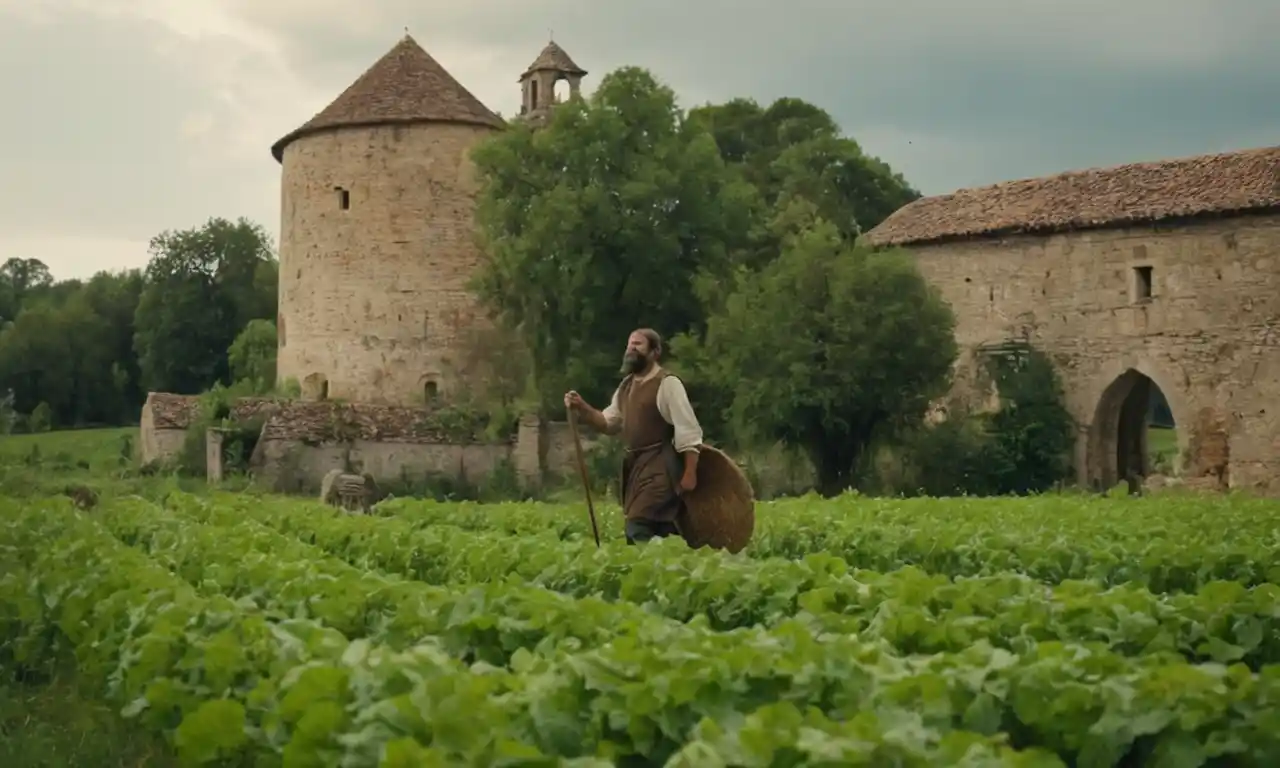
x,y
316,421
1139,193
554,59
405,86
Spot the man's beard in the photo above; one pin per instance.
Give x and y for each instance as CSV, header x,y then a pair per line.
x,y
634,362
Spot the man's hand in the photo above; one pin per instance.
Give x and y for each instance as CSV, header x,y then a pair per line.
x,y
688,481
574,402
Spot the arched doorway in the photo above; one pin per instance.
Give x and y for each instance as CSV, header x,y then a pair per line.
x,y
1134,432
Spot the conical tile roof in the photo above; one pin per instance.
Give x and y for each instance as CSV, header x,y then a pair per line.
x,y
553,58
406,85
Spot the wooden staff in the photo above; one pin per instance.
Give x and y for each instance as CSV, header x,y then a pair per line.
x,y
582,470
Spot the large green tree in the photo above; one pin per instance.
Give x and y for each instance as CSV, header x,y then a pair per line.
x,y
828,346
793,149
607,218
70,347
202,286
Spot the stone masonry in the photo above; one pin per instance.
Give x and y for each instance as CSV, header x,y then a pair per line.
x,y
301,441
1167,272
373,299
377,237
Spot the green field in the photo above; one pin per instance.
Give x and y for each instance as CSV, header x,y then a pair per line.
x,y
196,627
1162,445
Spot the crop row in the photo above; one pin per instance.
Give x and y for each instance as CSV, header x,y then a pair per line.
x,y
1166,544
214,548
914,611
235,688
644,692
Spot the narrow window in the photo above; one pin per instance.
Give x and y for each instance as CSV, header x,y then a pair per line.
x,y
324,390
430,391
1142,283
344,198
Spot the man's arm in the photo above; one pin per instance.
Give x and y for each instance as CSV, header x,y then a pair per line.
x,y
608,421
674,405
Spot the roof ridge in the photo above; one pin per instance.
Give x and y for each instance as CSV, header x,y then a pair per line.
x,y
1093,170
1219,183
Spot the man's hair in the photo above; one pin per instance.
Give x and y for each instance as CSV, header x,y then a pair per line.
x,y
654,339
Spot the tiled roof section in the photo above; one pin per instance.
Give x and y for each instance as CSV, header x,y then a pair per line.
x,y
406,85
170,411
553,58
1207,185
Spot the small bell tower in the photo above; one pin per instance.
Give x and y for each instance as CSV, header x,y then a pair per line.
x,y
539,81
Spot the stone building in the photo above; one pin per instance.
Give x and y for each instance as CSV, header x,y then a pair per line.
x,y
377,236
539,82
1159,274
376,322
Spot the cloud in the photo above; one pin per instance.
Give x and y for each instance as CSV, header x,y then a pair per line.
x,y
143,115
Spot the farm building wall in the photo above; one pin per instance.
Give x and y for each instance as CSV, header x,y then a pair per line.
x,y
1194,307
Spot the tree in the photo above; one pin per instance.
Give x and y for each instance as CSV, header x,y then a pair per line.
x,y
1032,434
19,280
117,387
201,287
829,346
606,219
252,356
793,150
71,347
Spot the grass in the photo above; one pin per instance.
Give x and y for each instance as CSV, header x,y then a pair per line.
x,y
59,725
1162,445
103,460
87,448
56,723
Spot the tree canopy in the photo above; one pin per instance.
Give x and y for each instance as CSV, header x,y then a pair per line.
x,y
85,352
794,150
827,347
624,211
601,221
202,286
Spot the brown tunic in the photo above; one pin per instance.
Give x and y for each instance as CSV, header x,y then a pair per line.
x,y
651,467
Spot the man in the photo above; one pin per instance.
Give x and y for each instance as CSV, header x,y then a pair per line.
x,y
651,411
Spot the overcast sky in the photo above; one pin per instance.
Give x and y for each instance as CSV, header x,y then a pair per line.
x,y
124,118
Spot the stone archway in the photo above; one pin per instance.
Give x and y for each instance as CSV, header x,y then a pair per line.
x,y
1135,431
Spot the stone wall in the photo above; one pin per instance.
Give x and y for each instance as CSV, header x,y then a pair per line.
x,y
301,441
393,265
162,427
1208,334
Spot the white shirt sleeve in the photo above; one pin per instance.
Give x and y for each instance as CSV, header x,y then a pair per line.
x,y
674,405
613,415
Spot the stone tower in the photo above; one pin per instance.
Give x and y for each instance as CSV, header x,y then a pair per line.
x,y
377,236
538,83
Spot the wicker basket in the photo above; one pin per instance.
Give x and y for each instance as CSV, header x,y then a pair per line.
x,y
720,512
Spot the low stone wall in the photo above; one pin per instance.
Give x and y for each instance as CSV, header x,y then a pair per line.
x,y
302,440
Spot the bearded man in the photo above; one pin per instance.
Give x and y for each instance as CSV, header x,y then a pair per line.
x,y
652,413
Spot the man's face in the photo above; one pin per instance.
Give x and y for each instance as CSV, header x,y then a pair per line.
x,y
638,354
